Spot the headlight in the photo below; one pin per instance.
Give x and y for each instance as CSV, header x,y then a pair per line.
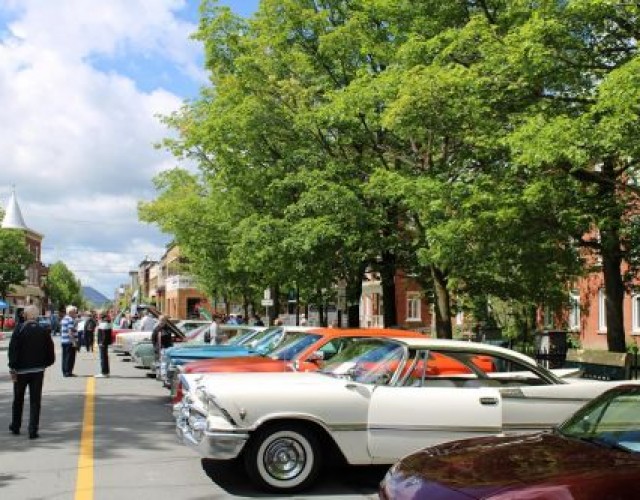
x,y
208,402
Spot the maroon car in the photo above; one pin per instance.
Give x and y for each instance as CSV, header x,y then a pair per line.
x,y
594,455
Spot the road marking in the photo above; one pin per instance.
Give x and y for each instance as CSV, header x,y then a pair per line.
x,y
84,480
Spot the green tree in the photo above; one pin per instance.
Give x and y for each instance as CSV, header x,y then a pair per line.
x,y
577,63
62,287
15,259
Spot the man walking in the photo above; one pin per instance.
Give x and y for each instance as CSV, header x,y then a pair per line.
x,y
30,353
104,341
89,330
68,341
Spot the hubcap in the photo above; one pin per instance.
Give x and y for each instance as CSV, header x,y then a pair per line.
x,y
284,458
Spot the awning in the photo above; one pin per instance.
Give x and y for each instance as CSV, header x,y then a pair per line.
x,y
3,304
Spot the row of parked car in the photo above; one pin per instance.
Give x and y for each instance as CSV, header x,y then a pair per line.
x,y
456,419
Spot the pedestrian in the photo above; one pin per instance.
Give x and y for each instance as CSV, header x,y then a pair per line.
x,y
30,353
148,322
161,337
19,317
257,320
69,341
90,325
125,322
218,335
104,341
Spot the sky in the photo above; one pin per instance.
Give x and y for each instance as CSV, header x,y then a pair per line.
x,y
82,86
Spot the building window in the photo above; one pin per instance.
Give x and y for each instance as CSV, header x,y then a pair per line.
x,y
413,307
602,311
460,318
547,320
635,313
574,313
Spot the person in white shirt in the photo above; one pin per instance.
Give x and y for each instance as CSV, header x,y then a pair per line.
x,y
148,323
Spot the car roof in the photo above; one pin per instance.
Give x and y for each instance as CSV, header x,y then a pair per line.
x,y
365,332
461,345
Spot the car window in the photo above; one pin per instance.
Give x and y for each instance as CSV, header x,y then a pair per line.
x,y
293,344
436,369
369,361
611,420
333,347
465,369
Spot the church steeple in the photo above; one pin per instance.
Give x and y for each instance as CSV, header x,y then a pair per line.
x,y
13,216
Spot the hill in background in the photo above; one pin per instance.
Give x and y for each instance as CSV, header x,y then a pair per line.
x,y
94,297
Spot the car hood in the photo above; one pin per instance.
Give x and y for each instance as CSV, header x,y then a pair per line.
x,y
233,384
238,364
497,467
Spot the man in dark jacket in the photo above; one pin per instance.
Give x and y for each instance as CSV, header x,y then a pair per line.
x,y
30,353
104,341
90,325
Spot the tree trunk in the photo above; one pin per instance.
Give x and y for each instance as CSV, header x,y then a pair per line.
x,y
353,295
275,310
614,290
611,253
387,276
442,305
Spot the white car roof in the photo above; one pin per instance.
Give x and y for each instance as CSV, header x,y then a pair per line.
x,y
460,345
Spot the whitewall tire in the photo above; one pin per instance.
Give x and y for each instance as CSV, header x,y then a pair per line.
x,y
283,457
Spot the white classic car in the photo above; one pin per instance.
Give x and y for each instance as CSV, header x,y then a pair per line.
x,y
372,403
126,340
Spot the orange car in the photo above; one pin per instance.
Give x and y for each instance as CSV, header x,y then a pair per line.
x,y
304,351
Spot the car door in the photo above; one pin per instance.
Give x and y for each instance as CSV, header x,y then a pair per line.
x,y
427,405
404,419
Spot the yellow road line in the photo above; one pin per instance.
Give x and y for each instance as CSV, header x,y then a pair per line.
x,y
84,480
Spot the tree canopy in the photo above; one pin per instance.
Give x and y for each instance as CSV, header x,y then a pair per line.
x,y
15,259
62,287
487,148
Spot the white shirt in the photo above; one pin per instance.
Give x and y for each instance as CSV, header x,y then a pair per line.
x,y
148,323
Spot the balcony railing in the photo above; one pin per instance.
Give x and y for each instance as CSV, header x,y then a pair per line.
x,y
178,282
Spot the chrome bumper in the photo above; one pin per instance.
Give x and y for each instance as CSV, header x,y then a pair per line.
x,y
191,431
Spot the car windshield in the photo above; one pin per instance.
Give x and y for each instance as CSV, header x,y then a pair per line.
x,y
369,361
293,344
262,341
243,337
611,420
197,333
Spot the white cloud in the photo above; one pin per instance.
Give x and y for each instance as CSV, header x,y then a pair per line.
x,y
78,143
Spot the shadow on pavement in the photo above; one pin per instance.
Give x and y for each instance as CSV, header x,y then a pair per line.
x,y
122,421
231,477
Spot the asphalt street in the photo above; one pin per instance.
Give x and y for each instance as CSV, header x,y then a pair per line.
x,y
132,453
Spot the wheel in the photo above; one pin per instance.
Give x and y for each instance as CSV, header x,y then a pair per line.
x,y
283,457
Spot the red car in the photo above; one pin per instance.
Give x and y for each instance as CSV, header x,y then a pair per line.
x,y
594,455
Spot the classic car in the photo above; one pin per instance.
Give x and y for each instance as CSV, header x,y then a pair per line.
x,y
593,455
142,353
372,403
127,339
258,345
304,353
